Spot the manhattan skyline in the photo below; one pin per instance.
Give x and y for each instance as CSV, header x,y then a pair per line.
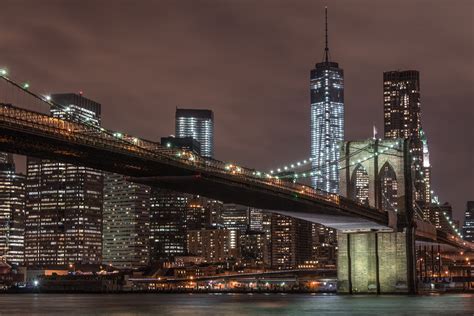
x,y
252,71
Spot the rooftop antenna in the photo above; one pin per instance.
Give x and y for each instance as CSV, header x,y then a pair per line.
x,y
326,50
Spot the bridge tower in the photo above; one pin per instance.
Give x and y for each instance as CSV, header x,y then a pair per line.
x,y
378,173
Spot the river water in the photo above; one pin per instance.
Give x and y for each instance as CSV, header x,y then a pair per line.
x,y
234,304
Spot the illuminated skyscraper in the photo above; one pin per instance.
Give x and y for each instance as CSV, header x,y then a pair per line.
x,y
12,211
468,229
64,201
327,121
198,124
402,118
126,218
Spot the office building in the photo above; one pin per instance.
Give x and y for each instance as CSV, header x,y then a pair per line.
x,y
402,119
324,245
64,201
327,121
168,211
212,244
12,211
291,242
198,124
126,222
253,248
468,229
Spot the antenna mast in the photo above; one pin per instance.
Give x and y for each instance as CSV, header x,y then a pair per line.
x,y
326,50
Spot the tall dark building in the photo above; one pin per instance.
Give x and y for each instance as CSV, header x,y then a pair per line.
x,y
468,229
198,124
64,201
327,121
402,118
12,211
168,210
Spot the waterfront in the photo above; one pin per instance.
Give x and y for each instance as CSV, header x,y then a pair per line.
x,y
234,304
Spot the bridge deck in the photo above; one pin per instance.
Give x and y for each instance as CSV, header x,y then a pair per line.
x,y
40,135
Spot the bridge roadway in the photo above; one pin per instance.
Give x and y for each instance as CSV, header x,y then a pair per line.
x,y
39,135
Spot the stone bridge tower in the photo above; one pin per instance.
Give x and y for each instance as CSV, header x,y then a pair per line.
x,y
378,173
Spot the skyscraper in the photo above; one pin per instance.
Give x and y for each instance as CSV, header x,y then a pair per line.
x,y
468,229
198,124
292,242
402,118
327,121
126,218
12,211
168,210
64,201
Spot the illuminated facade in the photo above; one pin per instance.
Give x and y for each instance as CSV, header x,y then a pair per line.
x,y
327,122
64,201
167,224
126,226
292,242
198,124
12,211
212,244
75,107
236,219
468,229
402,117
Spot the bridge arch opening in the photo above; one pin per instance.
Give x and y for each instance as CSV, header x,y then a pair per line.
x,y
360,185
388,188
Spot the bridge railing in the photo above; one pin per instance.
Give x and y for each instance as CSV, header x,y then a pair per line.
x,y
96,136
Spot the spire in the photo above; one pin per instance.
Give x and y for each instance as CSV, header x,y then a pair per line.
x,y
326,50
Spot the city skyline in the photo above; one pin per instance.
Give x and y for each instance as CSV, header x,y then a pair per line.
x,y
287,110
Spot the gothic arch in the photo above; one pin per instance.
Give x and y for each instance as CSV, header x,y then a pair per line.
x,y
359,188
388,187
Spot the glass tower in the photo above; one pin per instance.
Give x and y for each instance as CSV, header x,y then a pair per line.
x,y
198,124
327,121
12,211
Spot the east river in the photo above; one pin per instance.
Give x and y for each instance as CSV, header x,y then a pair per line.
x,y
234,304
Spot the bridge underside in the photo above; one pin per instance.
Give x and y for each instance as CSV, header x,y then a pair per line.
x,y
275,203
168,174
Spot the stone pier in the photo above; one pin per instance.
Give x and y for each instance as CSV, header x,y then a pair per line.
x,y
373,263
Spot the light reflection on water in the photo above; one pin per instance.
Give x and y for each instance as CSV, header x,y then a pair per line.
x,y
233,304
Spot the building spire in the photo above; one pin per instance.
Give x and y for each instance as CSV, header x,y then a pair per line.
x,y
326,50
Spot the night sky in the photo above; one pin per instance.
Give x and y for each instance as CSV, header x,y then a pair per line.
x,y
249,62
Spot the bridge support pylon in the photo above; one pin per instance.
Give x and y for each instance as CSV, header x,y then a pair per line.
x,y
377,263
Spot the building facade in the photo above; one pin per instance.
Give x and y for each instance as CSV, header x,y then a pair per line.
x,y
327,122
291,242
64,201
198,124
212,244
12,211
402,119
468,229
126,222
168,211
